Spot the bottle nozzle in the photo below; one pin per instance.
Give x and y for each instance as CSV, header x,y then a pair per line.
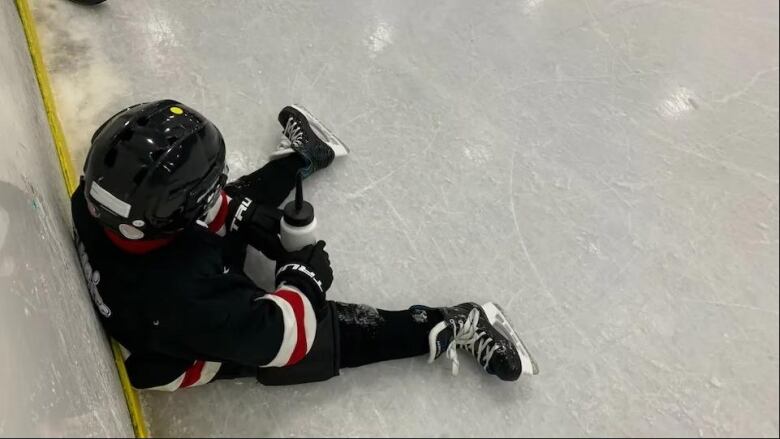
x,y
299,191
298,212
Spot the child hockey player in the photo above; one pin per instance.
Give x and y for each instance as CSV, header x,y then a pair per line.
x,y
162,238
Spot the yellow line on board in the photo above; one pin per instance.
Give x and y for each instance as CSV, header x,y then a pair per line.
x,y
70,177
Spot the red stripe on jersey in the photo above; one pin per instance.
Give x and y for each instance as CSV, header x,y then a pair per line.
x,y
296,302
219,220
192,375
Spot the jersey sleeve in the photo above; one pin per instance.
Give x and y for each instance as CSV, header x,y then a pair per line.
x,y
252,328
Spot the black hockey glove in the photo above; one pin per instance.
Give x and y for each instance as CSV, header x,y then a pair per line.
x,y
258,225
309,270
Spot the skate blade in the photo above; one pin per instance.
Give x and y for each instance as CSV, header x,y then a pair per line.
x,y
497,318
338,147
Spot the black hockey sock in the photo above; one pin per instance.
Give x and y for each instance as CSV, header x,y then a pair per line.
x,y
270,184
369,335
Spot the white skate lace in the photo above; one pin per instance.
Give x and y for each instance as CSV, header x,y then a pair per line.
x,y
466,335
293,135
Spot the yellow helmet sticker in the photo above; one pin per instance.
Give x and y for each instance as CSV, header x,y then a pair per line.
x,y
176,110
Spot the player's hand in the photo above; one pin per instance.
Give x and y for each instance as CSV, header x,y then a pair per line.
x,y
258,225
309,265
262,233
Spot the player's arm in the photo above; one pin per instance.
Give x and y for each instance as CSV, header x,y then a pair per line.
x,y
273,329
255,224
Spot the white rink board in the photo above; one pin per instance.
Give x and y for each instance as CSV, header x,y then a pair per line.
x,y
57,375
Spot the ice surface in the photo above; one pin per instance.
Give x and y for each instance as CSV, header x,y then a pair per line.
x,y
605,170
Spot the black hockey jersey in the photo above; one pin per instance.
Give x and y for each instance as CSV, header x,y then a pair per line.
x,y
188,305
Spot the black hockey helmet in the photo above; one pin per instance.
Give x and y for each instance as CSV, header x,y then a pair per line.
x,y
153,169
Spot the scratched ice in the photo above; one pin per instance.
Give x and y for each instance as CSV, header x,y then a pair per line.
x,y
608,171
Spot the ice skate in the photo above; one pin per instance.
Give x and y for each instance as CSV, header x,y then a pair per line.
x,y
304,134
485,332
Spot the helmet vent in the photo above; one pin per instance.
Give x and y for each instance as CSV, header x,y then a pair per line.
x,y
110,158
126,135
171,140
142,121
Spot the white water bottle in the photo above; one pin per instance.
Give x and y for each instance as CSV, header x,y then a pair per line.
x,y
298,224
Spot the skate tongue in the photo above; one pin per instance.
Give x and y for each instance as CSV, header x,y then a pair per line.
x,y
438,340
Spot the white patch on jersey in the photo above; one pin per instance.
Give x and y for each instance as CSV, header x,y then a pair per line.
x,y
93,279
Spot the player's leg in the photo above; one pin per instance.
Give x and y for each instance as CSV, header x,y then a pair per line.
x,y
369,335
307,146
270,184
354,335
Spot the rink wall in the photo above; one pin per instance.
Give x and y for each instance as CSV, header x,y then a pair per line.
x,y
57,370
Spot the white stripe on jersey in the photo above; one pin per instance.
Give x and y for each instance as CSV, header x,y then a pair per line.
x,y
307,323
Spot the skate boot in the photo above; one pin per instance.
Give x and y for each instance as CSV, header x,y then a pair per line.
x,y
307,136
485,332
